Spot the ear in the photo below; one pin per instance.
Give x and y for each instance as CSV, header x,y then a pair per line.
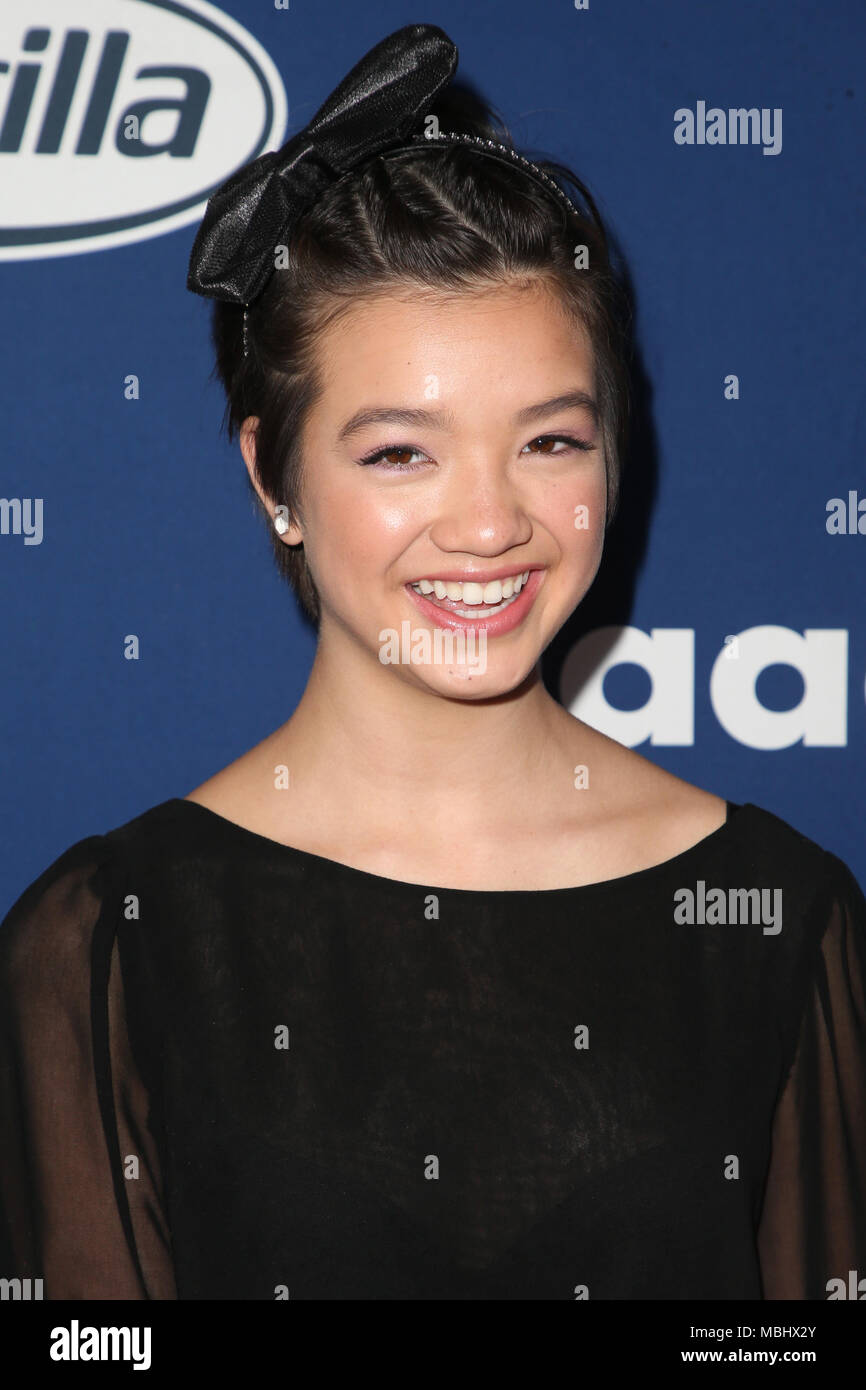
x,y
293,535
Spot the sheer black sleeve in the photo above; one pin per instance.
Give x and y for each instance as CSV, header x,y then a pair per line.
x,y
80,1183
813,1222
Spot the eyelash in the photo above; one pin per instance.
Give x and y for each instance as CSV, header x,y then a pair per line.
x,y
410,448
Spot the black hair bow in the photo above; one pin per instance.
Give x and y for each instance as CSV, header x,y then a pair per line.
x,y
375,107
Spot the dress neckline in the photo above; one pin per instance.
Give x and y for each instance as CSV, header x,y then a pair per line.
x,y
734,812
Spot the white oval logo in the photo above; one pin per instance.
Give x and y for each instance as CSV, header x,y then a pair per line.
x,y
119,118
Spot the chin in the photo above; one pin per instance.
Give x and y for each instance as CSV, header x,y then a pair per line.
x,y
464,681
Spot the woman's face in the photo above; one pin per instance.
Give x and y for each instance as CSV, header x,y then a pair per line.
x,y
475,483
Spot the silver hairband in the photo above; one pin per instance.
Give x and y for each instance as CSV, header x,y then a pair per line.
x,y
504,153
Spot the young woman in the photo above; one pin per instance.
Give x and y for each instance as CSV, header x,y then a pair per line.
x,y
437,992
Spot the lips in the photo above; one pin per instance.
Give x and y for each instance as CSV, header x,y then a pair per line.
x,y
474,590
442,612
465,576
462,605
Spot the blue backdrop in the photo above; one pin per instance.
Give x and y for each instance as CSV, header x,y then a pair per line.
x,y
125,511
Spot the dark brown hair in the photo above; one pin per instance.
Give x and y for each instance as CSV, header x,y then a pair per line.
x,y
447,219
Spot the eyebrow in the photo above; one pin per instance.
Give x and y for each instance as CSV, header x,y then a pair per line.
x,y
441,419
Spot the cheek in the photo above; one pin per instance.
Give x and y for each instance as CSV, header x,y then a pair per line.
x,y
351,534
575,514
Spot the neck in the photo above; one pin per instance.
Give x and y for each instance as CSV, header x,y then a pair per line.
x,y
379,741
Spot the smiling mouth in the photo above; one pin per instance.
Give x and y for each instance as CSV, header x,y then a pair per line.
x,y
472,599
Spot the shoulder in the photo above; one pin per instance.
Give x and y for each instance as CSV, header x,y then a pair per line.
x,y
67,885
757,845
817,876
768,851
634,810
46,936
55,916
820,950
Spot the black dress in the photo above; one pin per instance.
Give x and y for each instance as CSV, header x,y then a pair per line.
x,y
233,1069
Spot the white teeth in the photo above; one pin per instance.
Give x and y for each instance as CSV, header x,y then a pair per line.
x,y
472,593
488,612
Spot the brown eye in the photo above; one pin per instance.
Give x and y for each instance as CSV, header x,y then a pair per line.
x,y
568,439
401,464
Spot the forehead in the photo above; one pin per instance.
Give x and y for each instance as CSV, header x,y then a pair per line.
x,y
498,337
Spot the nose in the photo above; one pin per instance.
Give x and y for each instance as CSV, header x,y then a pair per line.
x,y
480,510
